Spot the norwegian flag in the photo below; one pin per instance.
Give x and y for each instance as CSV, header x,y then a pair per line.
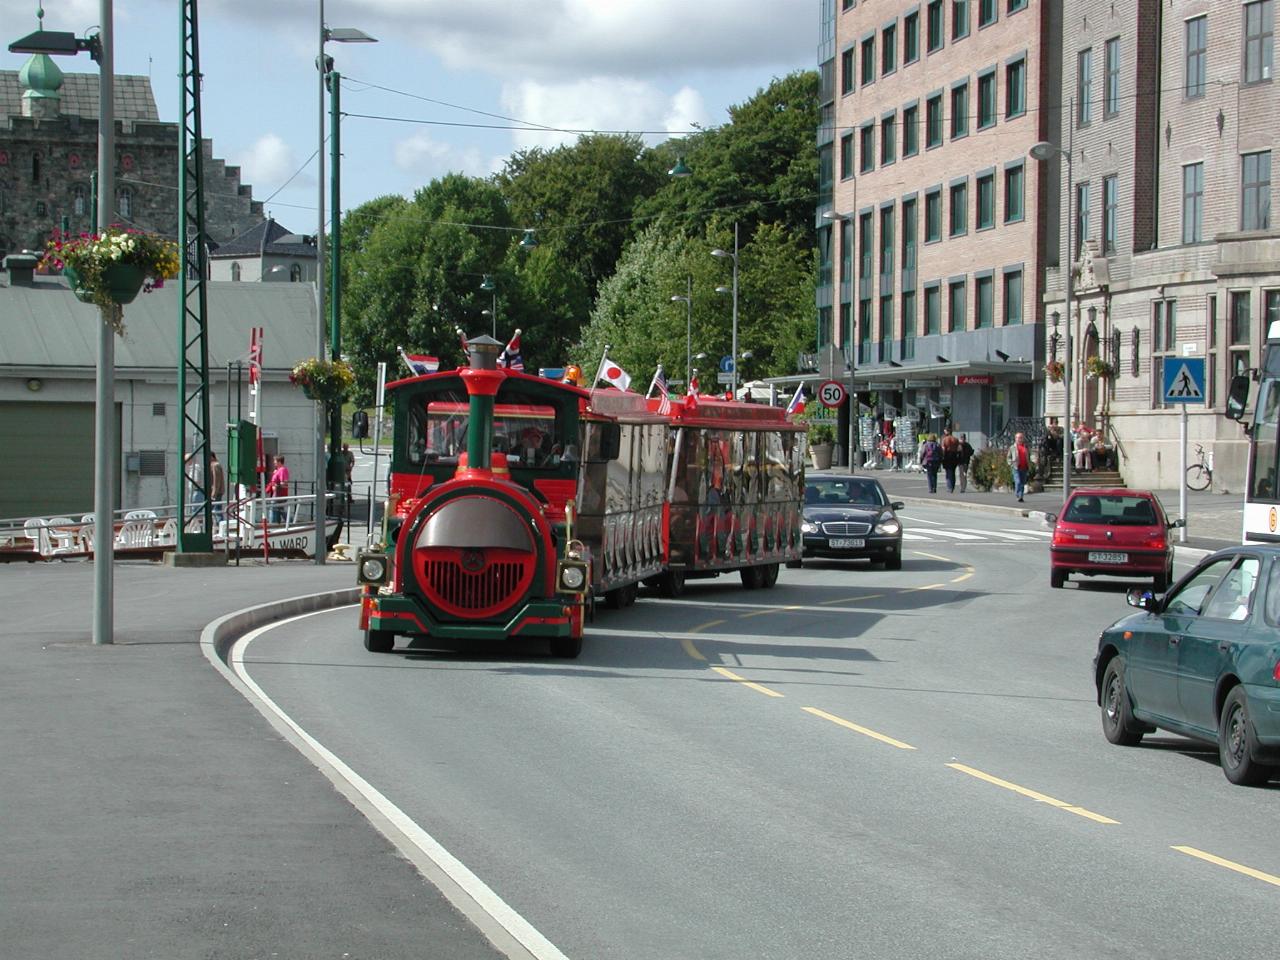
x,y
797,401
419,364
255,354
511,358
660,384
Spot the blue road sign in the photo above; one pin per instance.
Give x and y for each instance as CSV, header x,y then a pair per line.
x,y
726,364
1184,380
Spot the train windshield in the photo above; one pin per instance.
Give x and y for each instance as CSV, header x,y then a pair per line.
x,y
531,432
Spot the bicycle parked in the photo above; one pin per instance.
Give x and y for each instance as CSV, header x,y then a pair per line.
x,y
1200,474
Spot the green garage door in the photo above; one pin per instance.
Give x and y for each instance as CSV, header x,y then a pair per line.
x,y
46,459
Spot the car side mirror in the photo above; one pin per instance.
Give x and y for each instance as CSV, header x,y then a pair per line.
x,y
1142,599
897,505
1175,524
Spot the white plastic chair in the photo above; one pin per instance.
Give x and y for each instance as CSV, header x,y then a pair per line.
x,y
63,536
140,515
35,530
168,534
136,533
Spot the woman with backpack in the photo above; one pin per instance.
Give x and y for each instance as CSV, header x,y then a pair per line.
x,y
950,458
931,460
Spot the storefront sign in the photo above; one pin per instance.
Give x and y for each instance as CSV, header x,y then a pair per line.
x,y
974,379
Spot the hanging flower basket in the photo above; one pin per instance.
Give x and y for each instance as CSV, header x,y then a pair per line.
x,y
327,380
110,268
1096,367
1053,371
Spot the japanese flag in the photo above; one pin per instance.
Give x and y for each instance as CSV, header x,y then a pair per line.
x,y
615,375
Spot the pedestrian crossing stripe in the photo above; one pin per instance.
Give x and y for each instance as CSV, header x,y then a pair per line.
x,y
996,536
1184,380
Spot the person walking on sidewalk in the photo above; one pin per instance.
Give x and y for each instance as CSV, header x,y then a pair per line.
x,y
950,458
966,455
1020,463
931,460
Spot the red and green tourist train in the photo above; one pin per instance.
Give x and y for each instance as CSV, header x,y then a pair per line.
x,y
516,502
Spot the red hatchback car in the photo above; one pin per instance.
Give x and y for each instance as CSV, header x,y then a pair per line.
x,y
1115,533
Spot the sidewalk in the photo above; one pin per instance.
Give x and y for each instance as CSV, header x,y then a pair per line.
x,y
1214,520
150,811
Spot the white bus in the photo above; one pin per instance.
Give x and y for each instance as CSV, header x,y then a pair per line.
x,y
1261,499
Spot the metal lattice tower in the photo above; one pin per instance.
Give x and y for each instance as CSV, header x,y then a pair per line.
x,y
194,532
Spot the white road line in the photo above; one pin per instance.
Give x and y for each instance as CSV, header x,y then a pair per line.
x,y
908,535
956,535
709,638
774,607
483,896
1000,534
1044,534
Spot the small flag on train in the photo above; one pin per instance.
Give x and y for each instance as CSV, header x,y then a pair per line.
x,y
419,364
614,375
511,358
660,384
797,401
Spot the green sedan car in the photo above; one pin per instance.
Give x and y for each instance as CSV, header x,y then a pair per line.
x,y
1202,661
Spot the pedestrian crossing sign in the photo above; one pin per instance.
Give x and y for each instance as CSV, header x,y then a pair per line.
x,y
1184,380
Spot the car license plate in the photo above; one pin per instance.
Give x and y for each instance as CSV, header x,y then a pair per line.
x,y
846,543
1102,557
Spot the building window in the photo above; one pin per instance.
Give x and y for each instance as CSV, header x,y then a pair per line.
x,y
826,262
984,288
235,271
960,111
1014,208
956,294
1259,38
959,19
124,203
79,203
910,130
908,329
987,13
35,168
824,326
846,256
865,230
909,228
1084,87
934,26
846,72
867,148
933,215
869,60
1192,202
1015,89
932,309
1016,5
889,49
987,100
846,327
911,37
886,327
41,209
959,209
933,122
1255,191
888,140
986,189
1111,80
1110,213
1012,298
1238,330
886,248
846,156
1196,45
1082,218
1164,343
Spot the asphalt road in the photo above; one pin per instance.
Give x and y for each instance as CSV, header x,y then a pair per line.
x,y
854,764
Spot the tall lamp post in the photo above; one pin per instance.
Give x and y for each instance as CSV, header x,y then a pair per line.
x,y
1047,151
100,48
834,217
687,300
337,35
733,350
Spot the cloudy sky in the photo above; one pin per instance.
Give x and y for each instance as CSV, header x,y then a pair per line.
x,y
452,85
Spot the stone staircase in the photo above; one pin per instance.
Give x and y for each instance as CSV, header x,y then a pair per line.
x,y
1088,478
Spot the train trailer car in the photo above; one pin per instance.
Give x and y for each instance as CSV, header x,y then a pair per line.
x,y
515,502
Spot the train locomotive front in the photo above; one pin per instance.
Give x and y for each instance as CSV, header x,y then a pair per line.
x,y
479,540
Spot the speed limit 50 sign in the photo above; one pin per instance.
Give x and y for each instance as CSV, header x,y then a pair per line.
x,y
831,394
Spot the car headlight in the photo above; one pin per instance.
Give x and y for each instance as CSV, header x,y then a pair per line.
x,y
889,527
572,576
808,526
371,568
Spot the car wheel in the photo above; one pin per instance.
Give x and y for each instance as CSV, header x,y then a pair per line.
x,y
1236,743
671,584
1057,578
751,578
1118,724
566,647
769,573
793,564
379,641
894,562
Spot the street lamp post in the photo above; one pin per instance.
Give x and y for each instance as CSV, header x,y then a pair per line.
x,y
323,64
100,48
491,288
687,300
1047,151
835,217
733,382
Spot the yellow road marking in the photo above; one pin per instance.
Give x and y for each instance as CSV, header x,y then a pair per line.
x,y
703,626
869,596
746,683
1230,865
766,611
963,576
858,729
934,556
691,650
1032,794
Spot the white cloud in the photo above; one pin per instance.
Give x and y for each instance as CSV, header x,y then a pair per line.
x,y
269,163
426,158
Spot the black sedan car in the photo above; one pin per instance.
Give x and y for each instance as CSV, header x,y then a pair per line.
x,y
850,518
1202,661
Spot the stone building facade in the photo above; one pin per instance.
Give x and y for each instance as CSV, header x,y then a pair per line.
x,y
931,228
1175,120
48,152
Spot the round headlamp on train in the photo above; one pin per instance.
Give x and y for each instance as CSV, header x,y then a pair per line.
x,y
571,576
371,568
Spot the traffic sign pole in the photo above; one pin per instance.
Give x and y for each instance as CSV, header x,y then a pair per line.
x,y
1184,383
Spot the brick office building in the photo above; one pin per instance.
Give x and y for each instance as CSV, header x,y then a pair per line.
x,y
931,230
48,152
1175,118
